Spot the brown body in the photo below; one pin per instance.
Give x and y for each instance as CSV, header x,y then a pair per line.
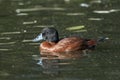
x,y
64,45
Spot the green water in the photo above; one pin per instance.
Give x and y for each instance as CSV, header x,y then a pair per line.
x,y
22,20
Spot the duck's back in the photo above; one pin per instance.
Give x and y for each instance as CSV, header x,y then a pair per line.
x,y
68,44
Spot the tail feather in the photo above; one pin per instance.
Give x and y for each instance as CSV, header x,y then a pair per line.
x,y
91,44
102,39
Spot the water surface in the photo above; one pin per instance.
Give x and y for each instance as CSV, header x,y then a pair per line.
x,y
22,20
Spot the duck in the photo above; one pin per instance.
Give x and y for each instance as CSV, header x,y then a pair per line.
x,y
52,43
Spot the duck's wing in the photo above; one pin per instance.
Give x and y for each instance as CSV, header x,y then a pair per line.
x,y
69,44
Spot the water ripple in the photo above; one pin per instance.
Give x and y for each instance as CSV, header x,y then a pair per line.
x,y
9,43
75,14
30,22
42,26
17,32
95,19
5,49
22,14
39,9
106,11
7,38
27,41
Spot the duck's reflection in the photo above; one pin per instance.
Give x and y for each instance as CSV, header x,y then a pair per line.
x,y
66,55
52,64
49,65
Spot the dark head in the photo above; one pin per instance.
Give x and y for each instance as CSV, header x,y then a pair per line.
x,y
48,34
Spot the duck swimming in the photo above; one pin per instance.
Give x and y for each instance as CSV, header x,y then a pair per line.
x,y
52,43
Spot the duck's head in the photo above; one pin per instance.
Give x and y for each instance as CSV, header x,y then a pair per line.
x,y
48,34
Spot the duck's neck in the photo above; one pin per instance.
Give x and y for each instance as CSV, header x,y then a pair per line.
x,y
56,39
53,39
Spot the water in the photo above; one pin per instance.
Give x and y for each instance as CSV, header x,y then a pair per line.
x,y
22,20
